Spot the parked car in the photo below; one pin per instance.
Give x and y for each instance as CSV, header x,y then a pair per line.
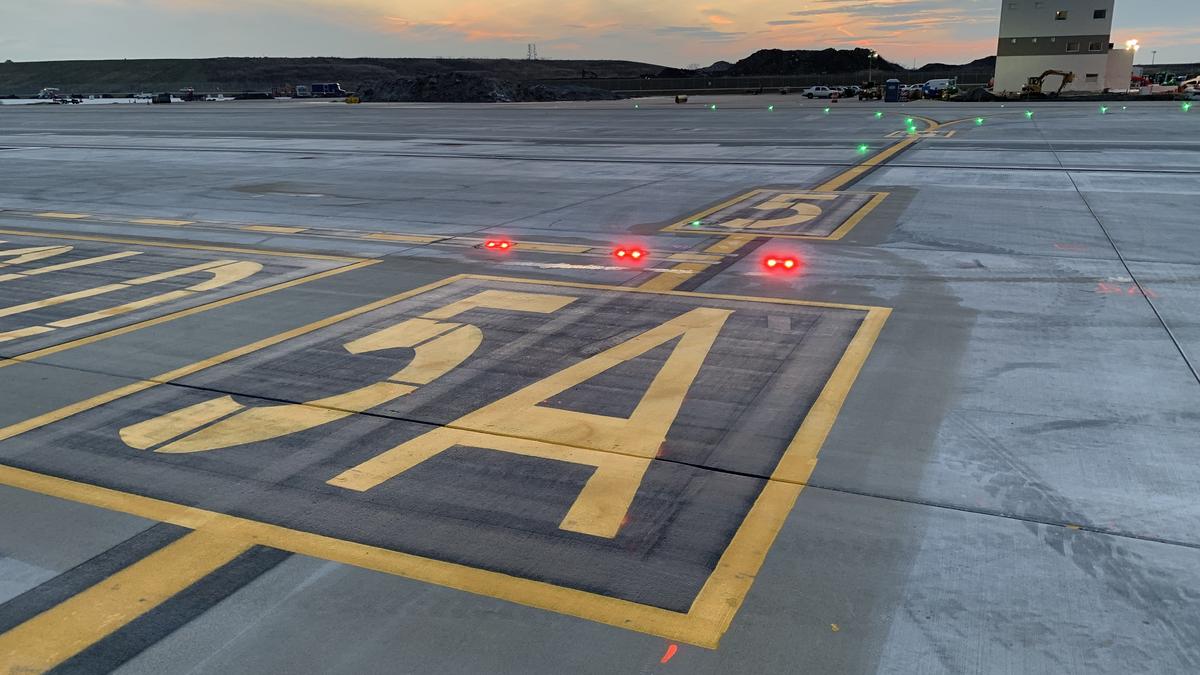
x,y
935,87
819,91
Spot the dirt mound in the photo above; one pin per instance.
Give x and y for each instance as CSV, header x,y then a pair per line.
x,y
473,88
807,61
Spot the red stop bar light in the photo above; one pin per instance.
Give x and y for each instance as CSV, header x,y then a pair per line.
x,y
630,253
776,262
498,244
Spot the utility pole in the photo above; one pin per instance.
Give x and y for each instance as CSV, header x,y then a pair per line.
x,y
532,52
1153,55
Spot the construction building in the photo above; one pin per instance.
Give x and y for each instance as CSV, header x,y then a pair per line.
x,y
1072,36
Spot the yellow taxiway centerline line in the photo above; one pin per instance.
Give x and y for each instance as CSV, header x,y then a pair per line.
x,y
733,242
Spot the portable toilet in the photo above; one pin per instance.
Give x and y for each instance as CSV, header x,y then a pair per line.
x,y
891,91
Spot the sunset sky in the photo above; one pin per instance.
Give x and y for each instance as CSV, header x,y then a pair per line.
x,y
669,33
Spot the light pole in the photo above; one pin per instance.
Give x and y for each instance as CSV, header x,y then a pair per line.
x,y
1153,55
1132,44
871,67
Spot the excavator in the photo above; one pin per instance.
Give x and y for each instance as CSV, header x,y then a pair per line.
x,y
1034,86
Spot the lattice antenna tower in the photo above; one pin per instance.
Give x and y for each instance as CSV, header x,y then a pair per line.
x,y
532,52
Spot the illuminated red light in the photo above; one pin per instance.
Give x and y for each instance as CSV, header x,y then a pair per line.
x,y
629,252
776,263
498,244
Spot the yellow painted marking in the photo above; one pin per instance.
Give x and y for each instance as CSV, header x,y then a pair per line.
x,y
730,244
21,256
169,244
159,430
69,265
796,202
551,248
37,354
60,299
621,449
436,353
864,166
801,456
66,216
277,229
536,303
407,238
182,271
162,221
670,280
24,332
704,623
65,630
858,216
110,312
694,257
224,272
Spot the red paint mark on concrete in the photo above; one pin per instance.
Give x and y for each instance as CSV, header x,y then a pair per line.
x,y
670,653
1121,289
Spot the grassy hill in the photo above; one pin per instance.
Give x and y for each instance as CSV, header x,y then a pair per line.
x,y
265,74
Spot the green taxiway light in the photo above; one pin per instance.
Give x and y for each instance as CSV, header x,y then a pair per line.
x,y
770,107
1028,114
827,111
696,223
878,114
909,121
1187,105
1103,110
864,149
713,107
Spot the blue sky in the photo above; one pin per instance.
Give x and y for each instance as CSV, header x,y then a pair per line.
x,y
677,34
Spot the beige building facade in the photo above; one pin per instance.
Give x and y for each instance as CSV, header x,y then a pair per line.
x,y
1069,35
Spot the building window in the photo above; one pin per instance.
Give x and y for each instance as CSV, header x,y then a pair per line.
x,y
1092,77
1095,47
1035,40
1072,46
1060,15
1100,14
1014,41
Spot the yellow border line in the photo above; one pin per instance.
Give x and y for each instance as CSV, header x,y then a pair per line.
x,y
39,353
162,221
173,244
712,610
59,215
857,216
67,629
